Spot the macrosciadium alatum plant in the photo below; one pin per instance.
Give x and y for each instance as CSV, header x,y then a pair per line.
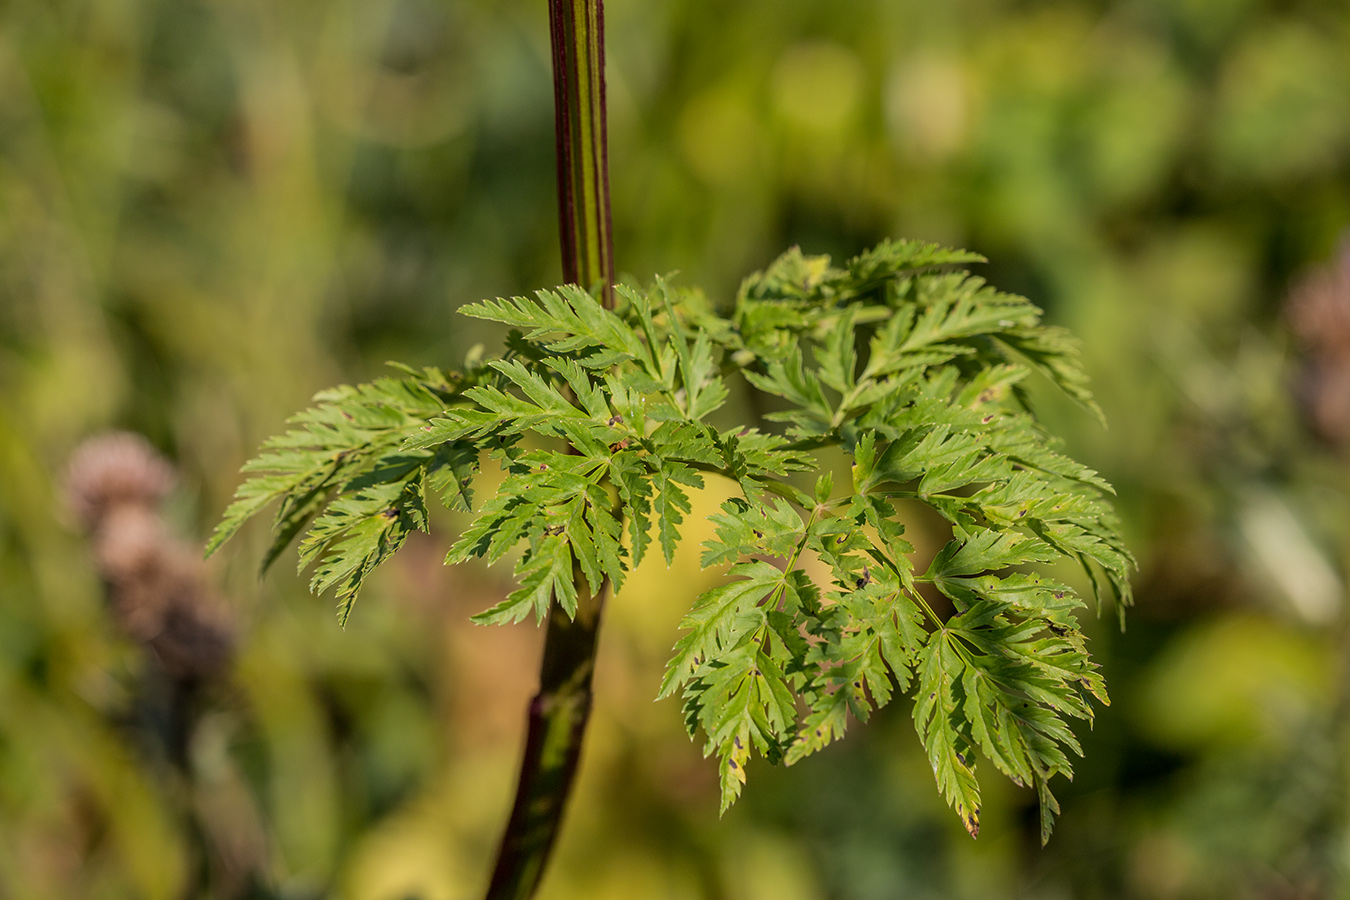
x,y
606,408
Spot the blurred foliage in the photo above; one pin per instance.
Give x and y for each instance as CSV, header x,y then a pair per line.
x,y
209,210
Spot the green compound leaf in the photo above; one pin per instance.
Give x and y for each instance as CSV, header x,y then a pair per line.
x,y
601,422
943,728
578,319
721,619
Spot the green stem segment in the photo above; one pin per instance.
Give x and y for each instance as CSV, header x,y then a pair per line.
x,y
578,31
559,712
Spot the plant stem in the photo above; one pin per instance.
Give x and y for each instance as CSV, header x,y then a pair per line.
x,y
559,712
578,32
557,723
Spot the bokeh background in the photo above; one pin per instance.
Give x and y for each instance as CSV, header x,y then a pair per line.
x,y
210,209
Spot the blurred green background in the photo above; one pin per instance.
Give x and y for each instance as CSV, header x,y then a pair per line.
x,y
210,209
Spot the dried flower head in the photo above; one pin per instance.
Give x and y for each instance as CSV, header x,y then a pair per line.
x,y
157,586
1318,310
1319,307
115,469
